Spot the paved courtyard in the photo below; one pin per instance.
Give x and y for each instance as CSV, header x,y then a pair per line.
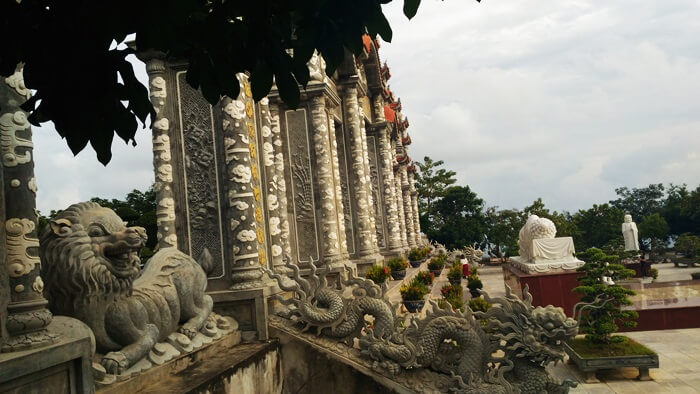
x,y
679,354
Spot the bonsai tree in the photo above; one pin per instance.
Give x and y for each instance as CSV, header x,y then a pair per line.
x,y
378,274
425,277
600,275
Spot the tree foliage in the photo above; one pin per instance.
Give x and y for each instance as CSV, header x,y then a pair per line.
x,y
432,182
654,231
86,86
460,218
600,323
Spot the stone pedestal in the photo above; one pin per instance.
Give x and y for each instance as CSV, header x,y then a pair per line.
x,y
61,367
553,288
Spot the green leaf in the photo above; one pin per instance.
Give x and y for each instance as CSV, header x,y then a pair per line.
x,y
288,88
261,81
410,8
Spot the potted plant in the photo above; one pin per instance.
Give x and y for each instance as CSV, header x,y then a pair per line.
x,y
378,274
416,257
453,295
412,295
599,348
474,283
425,277
398,266
479,304
435,265
454,275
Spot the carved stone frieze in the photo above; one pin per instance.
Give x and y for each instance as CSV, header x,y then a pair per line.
x,y
19,241
201,176
10,142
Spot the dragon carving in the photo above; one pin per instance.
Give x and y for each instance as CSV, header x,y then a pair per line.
x,y
92,271
503,350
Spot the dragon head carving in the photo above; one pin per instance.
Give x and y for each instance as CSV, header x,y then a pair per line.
x,y
89,251
534,333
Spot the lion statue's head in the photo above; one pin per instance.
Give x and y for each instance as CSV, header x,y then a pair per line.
x,y
88,251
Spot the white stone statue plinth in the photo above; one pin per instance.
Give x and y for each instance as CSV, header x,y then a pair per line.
x,y
541,252
629,231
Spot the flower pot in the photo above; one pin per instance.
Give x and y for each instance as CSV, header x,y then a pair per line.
x,y
436,272
695,275
589,365
475,293
413,306
396,275
455,282
416,264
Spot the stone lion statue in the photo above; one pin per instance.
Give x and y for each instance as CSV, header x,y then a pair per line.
x,y
91,266
535,228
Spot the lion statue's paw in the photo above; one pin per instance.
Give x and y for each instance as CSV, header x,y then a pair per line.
x,y
115,363
189,332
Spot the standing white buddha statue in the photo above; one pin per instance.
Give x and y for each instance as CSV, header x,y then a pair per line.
x,y
630,232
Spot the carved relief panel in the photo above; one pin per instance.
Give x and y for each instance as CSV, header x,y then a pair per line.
x,y
301,187
200,166
345,187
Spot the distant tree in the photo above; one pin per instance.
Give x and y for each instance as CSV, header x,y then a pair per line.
x,y
674,210
432,182
654,230
503,227
137,209
563,221
640,202
688,244
462,221
691,209
597,226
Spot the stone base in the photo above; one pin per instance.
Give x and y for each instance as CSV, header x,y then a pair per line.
x,y
589,365
316,364
544,266
365,263
223,367
63,366
553,288
248,307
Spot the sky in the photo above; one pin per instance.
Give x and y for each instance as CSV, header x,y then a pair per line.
x,y
564,100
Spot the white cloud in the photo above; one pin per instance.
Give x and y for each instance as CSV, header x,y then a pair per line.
x,y
564,100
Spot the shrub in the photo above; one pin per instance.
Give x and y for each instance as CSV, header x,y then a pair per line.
x,y
436,264
455,273
653,272
416,254
600,323
425,277
397,264
413,291
378,274
478,304
453,295
474,283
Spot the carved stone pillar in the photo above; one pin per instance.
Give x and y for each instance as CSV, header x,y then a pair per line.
x,y
400,205
389,189
369,183
338,189
366,248
414,201
326,182
239,134
407,208
280,184
271,187
24,324
162,155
